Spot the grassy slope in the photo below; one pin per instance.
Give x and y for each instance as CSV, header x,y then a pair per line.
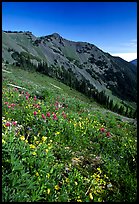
x,y
69,159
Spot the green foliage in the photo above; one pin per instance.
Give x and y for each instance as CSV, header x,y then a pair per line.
x,y
84,155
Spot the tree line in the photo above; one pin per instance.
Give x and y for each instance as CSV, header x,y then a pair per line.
x,y
68,77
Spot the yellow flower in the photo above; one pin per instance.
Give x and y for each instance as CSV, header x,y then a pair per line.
x,y
90,195
46,150
76,183
48,191
51,141
22,138
26,141
35,138
37,142
32,146
57,187
44,138
3,141
34,153
57,133
37,174
67,180
79,200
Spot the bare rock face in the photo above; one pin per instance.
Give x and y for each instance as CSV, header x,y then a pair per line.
x,y
83,60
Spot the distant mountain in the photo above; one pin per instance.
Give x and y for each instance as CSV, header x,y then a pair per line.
x,y
134,62
81,65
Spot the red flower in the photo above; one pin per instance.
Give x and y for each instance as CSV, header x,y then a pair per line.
x,y
7,124
48,114
43,116
108,134
27,97
6,103
102,130
35,113
57,108
14,123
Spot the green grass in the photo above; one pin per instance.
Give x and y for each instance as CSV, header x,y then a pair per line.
x,y
83,155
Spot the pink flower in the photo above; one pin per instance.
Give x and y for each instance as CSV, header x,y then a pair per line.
x,y
27,97
48,114
102,130
7,124
64,116
55,117
16,89
108,134
56,108
35,98
63,113
35,113
6,103
14,123
9,106
43,116
12,105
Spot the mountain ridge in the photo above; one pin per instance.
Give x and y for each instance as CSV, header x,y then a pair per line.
x,y
84,61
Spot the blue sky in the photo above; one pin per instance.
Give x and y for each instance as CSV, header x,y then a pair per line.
x,y
111,26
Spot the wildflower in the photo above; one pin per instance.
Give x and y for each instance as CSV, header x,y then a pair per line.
x,y
22,138
6,103
90,195
7,124
37,174
3,141
46,150
37,142
57,133
57,187
76,183
102,129
9,106
34,153
44,138
35,98
79,200
108,134
55,117
48,114
35,113
27,97
48,191
35,138
14,123
12,105
32,146
43,116
16,89
26,141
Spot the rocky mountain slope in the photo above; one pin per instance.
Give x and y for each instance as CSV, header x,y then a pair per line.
x,y
84,61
